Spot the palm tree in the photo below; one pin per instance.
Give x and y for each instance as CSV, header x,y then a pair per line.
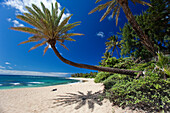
x,y
113,43
115,5
48,28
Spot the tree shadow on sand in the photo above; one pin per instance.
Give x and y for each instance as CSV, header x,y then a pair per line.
x,y
80,99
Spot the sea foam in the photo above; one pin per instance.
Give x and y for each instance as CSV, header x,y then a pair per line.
x,y
15,83
36,82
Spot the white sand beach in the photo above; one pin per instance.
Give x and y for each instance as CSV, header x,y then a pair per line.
x,y
80,97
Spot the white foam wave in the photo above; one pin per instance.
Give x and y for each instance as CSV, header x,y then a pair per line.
x,y
15,83
36,82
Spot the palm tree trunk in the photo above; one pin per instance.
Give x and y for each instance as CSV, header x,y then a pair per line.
x,y
105,69
143,37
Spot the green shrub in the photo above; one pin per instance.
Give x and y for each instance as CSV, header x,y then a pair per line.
x,y
150,93
113,79
101,76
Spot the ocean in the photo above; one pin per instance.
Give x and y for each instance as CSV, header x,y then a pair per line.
x,y
25,81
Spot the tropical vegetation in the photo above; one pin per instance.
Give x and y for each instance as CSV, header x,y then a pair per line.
x,y
115,5
154,22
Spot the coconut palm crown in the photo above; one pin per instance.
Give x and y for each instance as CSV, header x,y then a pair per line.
x,y
114,7
48,26
113,43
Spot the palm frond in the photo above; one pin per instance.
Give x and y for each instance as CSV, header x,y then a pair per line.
x,y
27,41
39,12
108,11
141,2
38,45
57,21
69,27
74,34
98,1
63,46
43,7
32,12
27,30
63,23
45,50
100,7
69,39
30,20
117,16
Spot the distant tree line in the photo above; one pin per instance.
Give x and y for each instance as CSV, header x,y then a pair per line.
x,y
85,75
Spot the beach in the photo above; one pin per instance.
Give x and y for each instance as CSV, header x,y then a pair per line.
x,y
82,97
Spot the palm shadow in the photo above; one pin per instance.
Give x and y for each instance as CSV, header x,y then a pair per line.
x,y
80,99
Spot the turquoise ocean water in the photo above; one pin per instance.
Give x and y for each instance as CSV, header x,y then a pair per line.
x,y
23,81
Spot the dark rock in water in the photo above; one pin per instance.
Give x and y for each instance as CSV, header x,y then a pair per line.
x,y
54,89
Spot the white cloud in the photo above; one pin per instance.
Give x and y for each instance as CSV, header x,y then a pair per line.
x,y
100,34
17,72
17,24
19,5
10,67
7,63
110,17
9,19
2,67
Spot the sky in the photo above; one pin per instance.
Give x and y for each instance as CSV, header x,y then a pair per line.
x,y
87,49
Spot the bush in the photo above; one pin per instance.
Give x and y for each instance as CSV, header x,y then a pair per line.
x,y
113,79
149,93
101,76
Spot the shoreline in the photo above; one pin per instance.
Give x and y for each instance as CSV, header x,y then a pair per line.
x,y
67,98
80,80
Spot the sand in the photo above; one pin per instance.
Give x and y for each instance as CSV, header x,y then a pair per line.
x,y
82,97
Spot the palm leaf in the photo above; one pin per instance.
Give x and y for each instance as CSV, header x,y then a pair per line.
x,y
108,11
32,12
39,12
45,50
117,16
98,1
57,21
141,2
37,45
105,5
63,46
43,7
69,27
27,30
63,23
115,10
32,39
27,41
74,34
100,7
69,39
30,20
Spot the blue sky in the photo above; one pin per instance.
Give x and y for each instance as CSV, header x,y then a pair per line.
x,y
87,49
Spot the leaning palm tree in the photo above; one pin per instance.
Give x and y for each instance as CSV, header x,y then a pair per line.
x,y
113,44
115,6
48,28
